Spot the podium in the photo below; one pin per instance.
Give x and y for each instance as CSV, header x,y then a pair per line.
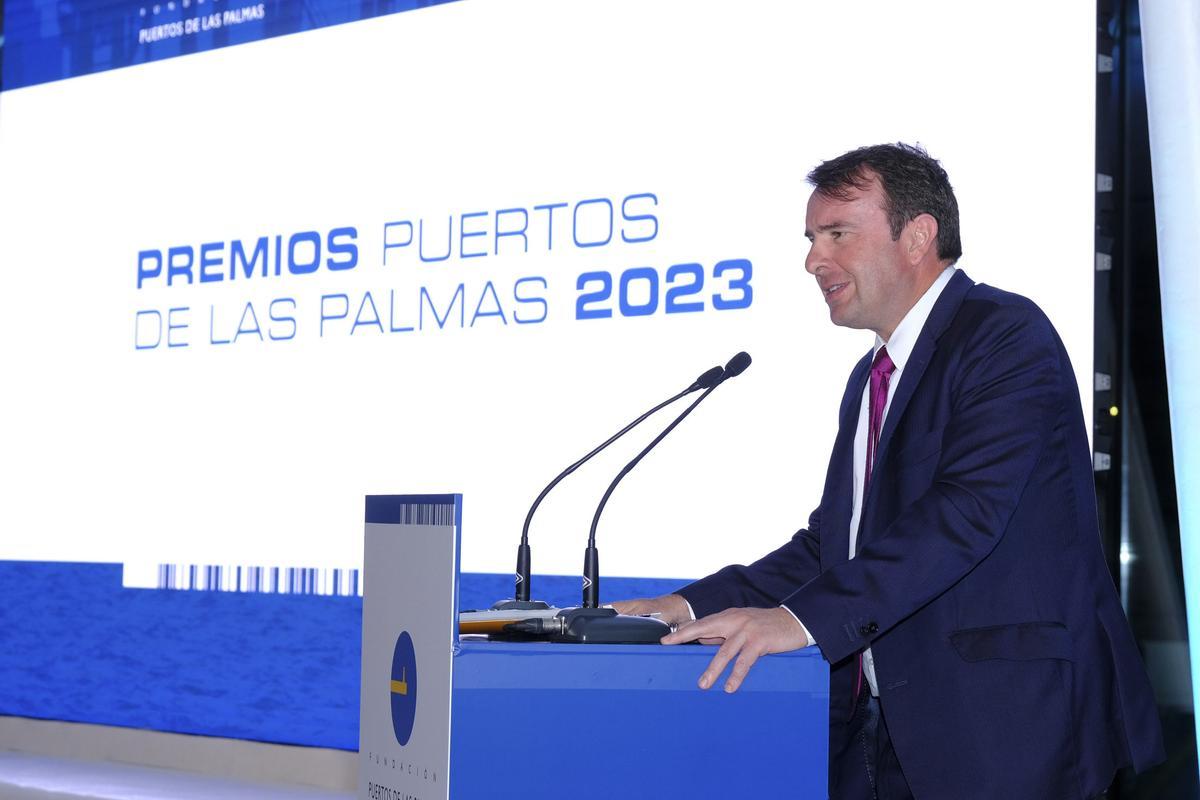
x,y
444,718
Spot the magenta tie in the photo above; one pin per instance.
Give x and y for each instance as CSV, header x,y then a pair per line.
x,y
881,376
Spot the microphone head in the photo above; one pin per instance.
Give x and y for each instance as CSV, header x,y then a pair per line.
x,y
710,378
737,365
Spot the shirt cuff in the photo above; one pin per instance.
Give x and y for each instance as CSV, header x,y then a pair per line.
x,y
803,627
692,613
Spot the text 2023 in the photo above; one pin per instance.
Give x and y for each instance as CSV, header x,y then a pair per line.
x,y
684,286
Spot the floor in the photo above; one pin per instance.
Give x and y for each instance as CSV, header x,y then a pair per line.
x,y
31,777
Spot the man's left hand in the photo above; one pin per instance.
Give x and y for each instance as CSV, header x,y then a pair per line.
x,y
745,634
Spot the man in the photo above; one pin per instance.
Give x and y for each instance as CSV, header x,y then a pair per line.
x,y
952,575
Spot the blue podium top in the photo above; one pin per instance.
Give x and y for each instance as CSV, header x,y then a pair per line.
x,y
523,665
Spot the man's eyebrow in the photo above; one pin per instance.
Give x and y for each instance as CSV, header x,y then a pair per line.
x,y
827,226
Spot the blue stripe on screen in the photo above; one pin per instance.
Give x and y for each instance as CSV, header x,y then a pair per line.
x,y
75,645
47,40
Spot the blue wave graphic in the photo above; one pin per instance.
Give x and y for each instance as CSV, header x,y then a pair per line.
x,y
76,646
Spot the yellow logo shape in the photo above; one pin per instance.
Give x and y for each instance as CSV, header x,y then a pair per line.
x,y
401,686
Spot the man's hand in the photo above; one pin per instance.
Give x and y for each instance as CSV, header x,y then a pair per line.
x,y
747,633
671,608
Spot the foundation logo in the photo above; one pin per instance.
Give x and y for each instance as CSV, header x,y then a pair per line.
x,y
404,688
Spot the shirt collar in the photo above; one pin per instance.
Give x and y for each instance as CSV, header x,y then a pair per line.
x,y
904,338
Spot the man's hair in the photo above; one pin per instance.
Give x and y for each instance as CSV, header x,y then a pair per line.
x,y
912,181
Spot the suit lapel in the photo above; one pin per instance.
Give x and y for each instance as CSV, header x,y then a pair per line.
x,y
835,548
943,313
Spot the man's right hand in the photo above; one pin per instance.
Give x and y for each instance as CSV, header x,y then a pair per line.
x,y
671,608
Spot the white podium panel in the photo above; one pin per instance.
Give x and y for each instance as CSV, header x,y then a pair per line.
x,y
410,610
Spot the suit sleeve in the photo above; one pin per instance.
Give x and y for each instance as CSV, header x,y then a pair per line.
x,y
764,583
1005,402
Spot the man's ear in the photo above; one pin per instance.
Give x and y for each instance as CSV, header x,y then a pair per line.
x,y
920,235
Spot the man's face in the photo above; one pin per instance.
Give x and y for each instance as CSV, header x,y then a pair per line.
x,y
860,270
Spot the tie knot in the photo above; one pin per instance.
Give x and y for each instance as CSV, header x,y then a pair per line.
x,y
883,364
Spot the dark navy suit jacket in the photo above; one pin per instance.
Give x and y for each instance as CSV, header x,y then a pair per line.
x,y
1005,665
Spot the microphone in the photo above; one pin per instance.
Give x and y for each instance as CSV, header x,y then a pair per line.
x,y
591,557
707,380
736,366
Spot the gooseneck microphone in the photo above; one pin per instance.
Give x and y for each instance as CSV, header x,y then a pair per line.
x,y
706,381
591,557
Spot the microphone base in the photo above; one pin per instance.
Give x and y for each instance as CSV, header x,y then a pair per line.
x,y
520,605
606,626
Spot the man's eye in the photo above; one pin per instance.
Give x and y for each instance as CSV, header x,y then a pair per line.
x,y
835,235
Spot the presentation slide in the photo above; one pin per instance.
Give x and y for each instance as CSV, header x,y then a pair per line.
x,y
453,249
265,259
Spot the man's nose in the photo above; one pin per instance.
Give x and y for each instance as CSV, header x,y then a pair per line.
x,y
815,259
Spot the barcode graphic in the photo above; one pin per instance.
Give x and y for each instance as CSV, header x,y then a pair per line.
x,y
425,514
269,580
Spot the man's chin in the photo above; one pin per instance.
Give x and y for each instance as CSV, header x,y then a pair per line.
x,y
843,320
